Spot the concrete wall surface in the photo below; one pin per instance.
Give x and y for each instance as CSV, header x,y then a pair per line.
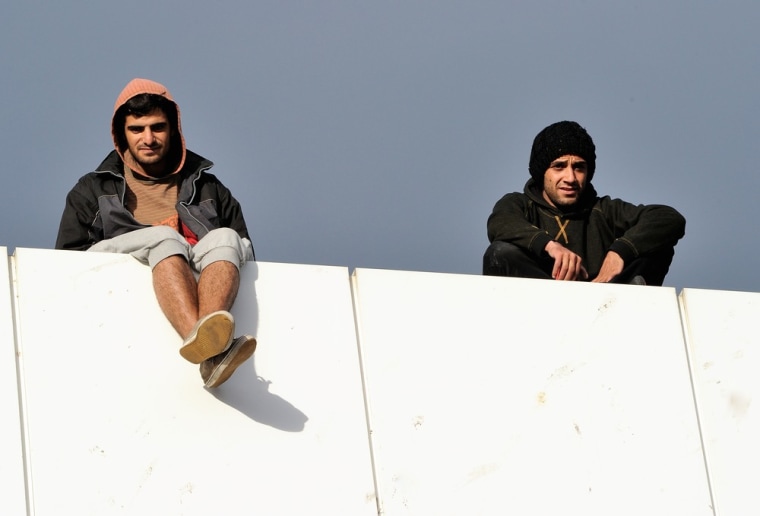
x,y
119,423
11,453
514,396
376,392
722,336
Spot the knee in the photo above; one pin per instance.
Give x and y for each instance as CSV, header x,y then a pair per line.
x,y
497,258
223,236
499,252
166,242
222,244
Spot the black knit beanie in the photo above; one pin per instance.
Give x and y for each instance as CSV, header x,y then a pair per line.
x,y
557,140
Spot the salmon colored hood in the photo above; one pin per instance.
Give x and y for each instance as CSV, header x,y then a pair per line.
x,y
138,87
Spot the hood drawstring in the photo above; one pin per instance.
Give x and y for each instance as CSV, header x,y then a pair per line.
x,y
562,232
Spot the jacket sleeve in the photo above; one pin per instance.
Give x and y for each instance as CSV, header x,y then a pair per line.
x,y
77,219
232,212
510,222
642,229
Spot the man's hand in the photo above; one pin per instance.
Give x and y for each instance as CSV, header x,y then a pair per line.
x,y
567,265
611,267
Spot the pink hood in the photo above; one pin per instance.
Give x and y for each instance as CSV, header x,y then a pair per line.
x,y
137,87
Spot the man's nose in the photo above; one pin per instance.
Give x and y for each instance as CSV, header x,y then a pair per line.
x,y
568,175
148,137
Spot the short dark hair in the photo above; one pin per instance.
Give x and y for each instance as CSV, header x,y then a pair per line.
x,y
142,105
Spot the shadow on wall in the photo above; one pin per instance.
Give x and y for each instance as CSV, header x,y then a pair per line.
x,y
249,393
246,391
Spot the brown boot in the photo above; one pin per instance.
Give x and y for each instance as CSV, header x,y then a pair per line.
x,y
217,370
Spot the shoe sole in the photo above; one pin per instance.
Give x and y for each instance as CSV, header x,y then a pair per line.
x,y
211,336
240,351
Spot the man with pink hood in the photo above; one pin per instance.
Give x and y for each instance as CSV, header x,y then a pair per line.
x,y
156,200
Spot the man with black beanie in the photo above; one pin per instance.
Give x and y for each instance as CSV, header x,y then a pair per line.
x,y
559,228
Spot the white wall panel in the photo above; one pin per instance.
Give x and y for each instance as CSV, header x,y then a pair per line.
x,y
119,423
724,346
515,396
11,452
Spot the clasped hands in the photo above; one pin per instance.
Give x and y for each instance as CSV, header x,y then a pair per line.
x,y
568,266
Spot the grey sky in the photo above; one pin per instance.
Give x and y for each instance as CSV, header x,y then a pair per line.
x,y
380,134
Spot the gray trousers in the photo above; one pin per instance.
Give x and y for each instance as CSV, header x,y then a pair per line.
x,y
153,244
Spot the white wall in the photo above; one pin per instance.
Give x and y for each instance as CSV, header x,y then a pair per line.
x,y
119,423
723,341
11,453
483,396
514,396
